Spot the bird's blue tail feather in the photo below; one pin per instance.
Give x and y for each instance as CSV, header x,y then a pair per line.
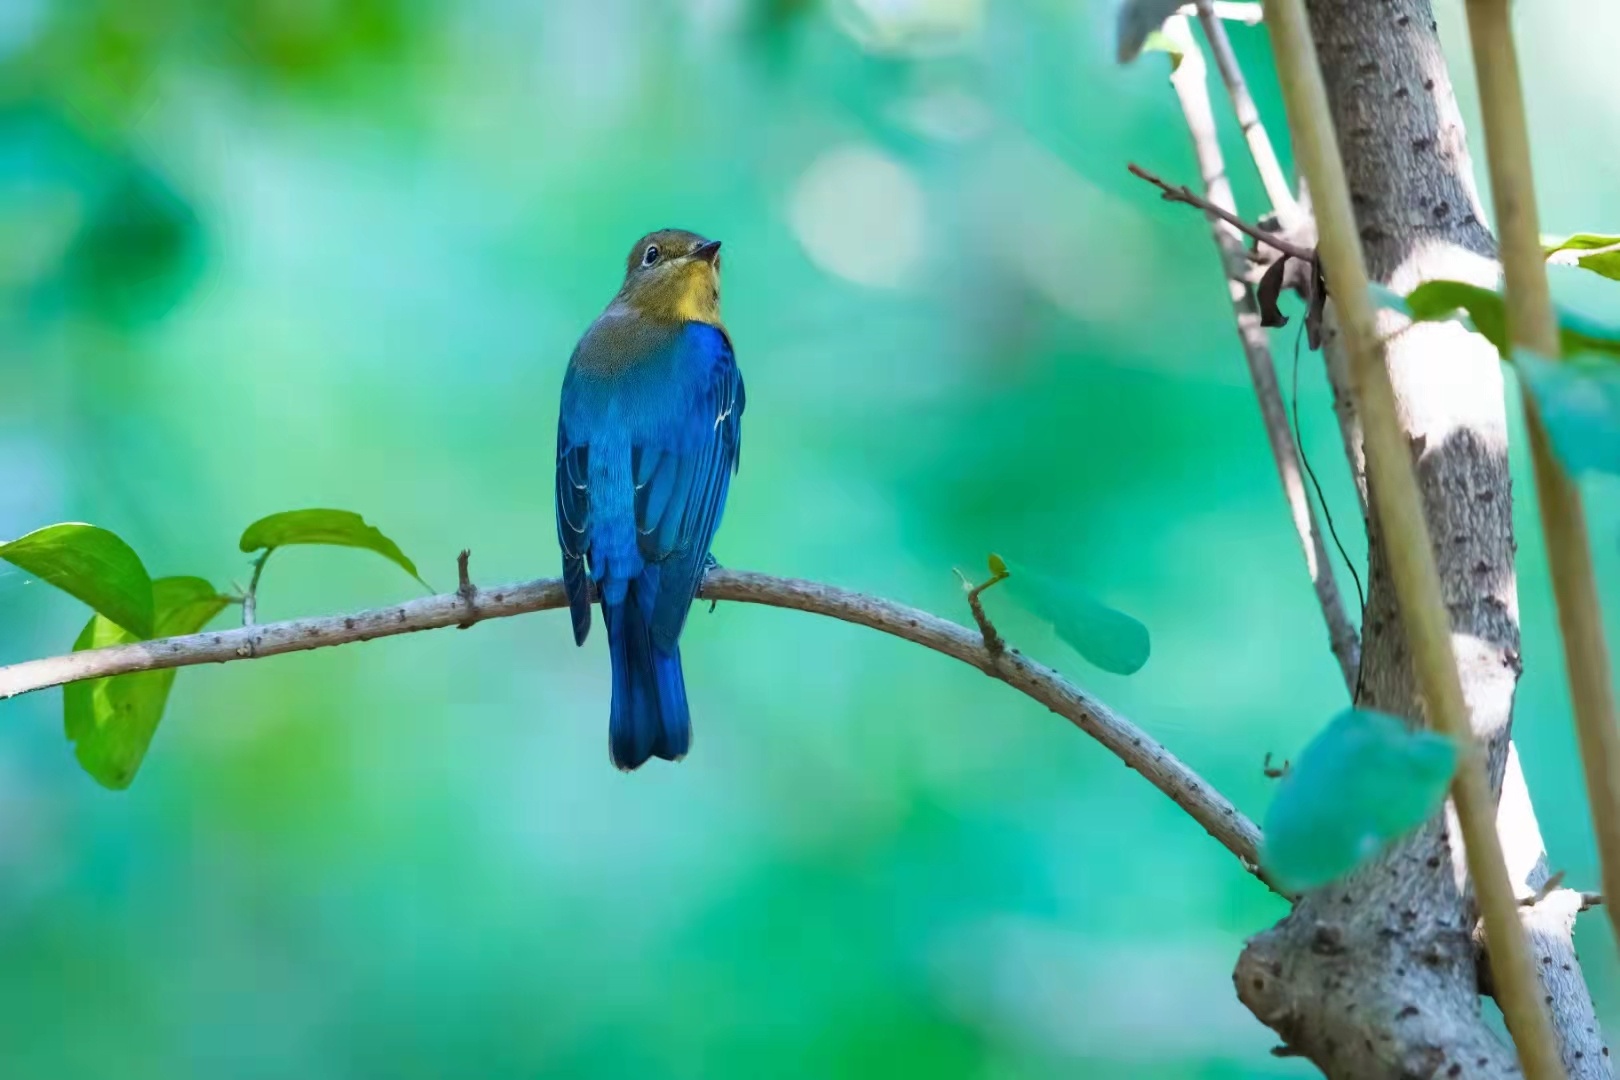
x,y
649,716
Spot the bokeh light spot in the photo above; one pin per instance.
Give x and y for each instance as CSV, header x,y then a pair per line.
x,y
859,215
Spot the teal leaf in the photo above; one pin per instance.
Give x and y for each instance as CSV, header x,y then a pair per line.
x,y
1365,780
91,564
111,721
1487,313
1604,257
342,528
1579,402
1107,638
1138,21
1386,297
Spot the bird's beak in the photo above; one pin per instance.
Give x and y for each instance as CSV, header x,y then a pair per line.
x,y
708,251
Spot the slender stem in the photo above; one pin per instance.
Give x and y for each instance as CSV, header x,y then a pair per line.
x,y
1180,193
1534,324
1394,490
250,598
1135,747
1248,116
1249,14
1190,83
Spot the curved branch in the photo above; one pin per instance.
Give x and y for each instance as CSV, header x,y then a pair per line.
x,y
1125,740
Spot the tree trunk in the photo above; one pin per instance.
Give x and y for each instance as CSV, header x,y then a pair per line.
x,y
1379,976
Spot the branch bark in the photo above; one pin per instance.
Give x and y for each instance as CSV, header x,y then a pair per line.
x,y
1401,514
1378,979
1135,747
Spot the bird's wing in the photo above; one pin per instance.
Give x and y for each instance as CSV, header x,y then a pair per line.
x,y
681,482
573,524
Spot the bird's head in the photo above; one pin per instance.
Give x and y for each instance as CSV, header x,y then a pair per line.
x,y
675,275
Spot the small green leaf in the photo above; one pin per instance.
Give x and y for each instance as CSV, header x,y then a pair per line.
x,y
1570,251
1579,401
1139,20
1364,781
1434,301
91,564
111,721
1107,638
998,565
1487,313
1159,41
342,528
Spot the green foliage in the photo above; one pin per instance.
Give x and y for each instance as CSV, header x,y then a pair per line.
x,y
1434,301
92,564
342,528
1364,781
1107,638
111,721
1139,21
1568,252
1579,400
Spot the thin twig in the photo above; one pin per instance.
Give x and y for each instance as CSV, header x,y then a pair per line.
x,y
1248,116
993,642
250,595
1534,325
1238,11
464,587
1182,194
1125,740
1394,489
1190,82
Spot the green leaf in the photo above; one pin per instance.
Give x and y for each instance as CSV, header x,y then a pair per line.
x,y
342,528
1159,41
1579,401
1364,781
998,565
1568,252
111,721
91,564
1435,301
1138,20
1107,638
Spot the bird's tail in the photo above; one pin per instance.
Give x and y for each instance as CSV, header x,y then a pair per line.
x,y
650,716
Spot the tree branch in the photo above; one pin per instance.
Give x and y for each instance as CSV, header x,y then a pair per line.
x,y
1190,83
1180,193
1248,117
1125,740
1399,504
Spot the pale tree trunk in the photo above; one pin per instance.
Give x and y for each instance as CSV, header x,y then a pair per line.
x,y
1378,976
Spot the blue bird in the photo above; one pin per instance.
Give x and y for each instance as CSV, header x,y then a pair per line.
x,y
647,440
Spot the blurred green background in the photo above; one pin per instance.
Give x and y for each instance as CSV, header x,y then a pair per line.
x,y
265,254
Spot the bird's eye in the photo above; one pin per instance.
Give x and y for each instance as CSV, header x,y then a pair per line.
x,y
650,256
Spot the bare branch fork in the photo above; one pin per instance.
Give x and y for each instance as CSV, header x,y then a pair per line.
x,y
469,605
1189,81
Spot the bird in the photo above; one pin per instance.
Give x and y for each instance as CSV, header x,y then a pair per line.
x,y
648,438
